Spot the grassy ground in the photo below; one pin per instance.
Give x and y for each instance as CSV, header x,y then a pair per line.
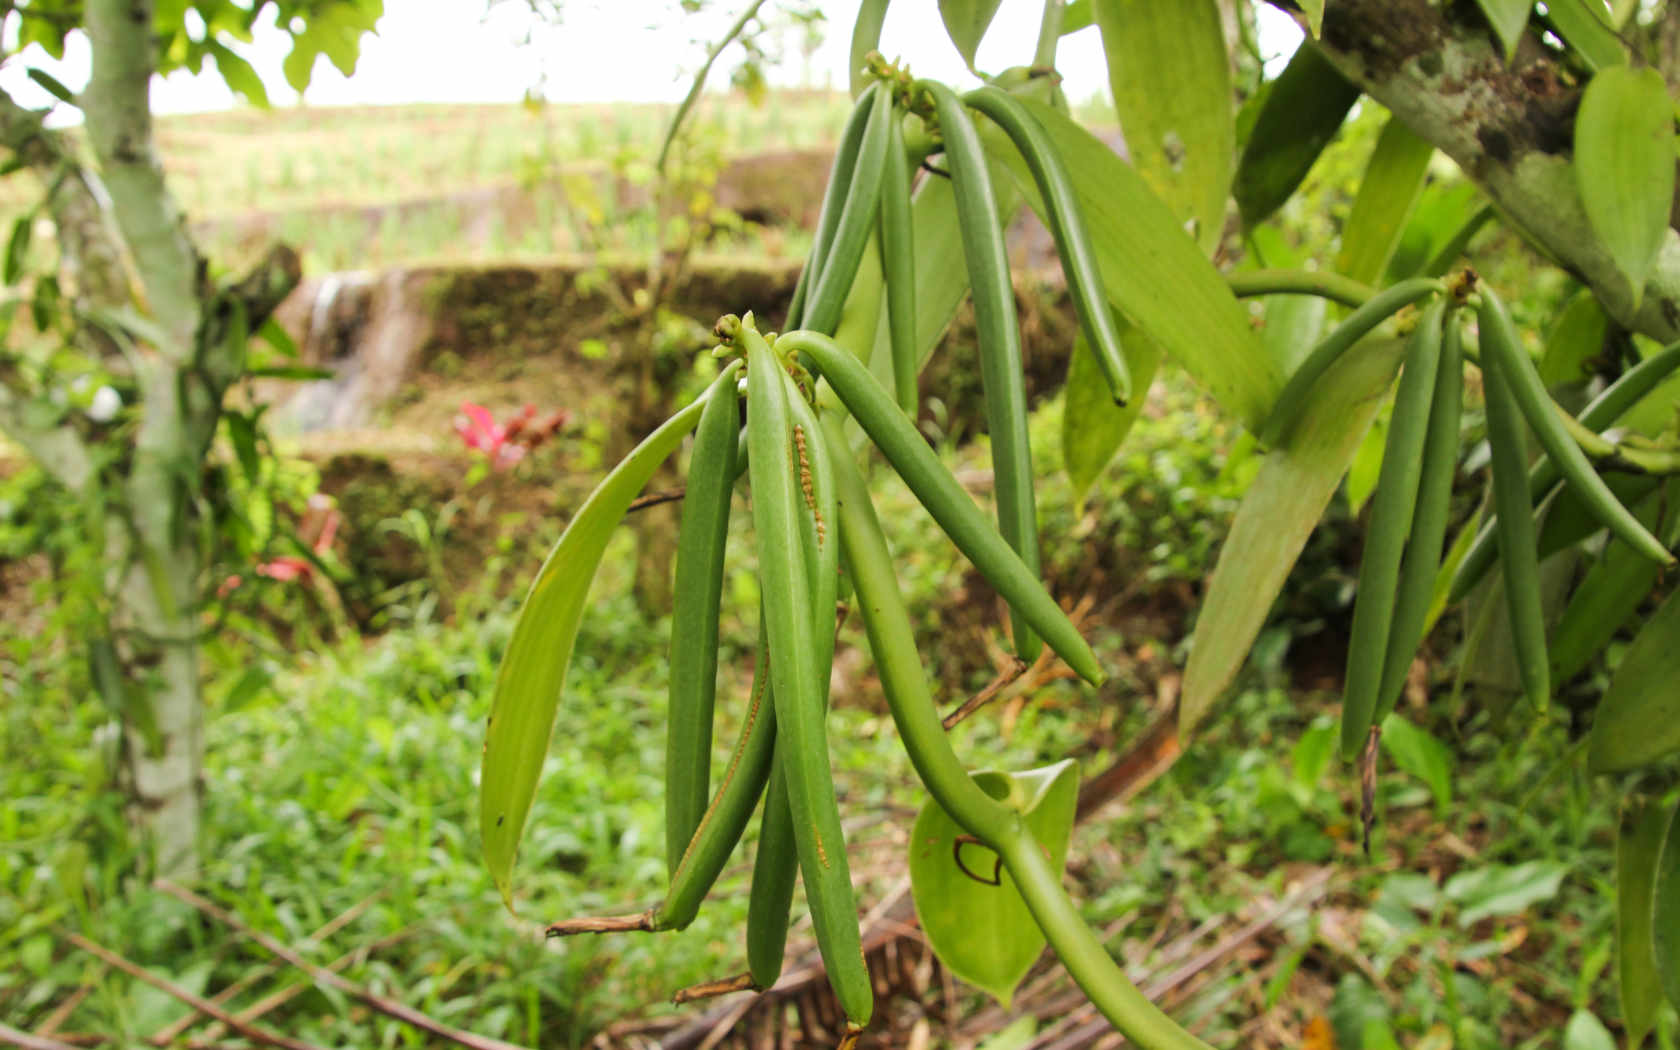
x,y
347,789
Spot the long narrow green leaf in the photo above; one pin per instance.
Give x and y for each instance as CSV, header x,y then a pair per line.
x,y
1181,141
1302,111
1388,193
1624,166
1285,501
1585,26
1508,17
1155,275
1638,721
533,672
1639,840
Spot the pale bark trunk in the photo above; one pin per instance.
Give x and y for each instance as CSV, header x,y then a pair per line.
x,y
1510,127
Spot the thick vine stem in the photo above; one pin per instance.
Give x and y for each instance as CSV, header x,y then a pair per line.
x,y
1245,284
1615,455
870,565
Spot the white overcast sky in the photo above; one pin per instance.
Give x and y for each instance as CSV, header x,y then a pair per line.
x,y
631,50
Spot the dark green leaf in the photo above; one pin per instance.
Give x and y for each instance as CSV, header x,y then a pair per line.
x,y
1624,166
276,336
1639,839
290,372
967,21
242,434
1508,17
968,905
1303,110
1638,721
52,86
1181,141
1665,911
17,247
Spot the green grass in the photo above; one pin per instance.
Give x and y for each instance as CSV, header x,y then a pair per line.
x,y
353,780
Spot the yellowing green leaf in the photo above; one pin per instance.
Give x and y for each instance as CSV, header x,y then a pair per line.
x,y
1181,141
966,21
1639,839
1638,721
1289,494
968,905
1508,17
1624,166
1303,109
533,672
1155,275
1093,426
1314,10
1387,194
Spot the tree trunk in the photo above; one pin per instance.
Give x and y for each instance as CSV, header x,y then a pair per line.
x,y
1510,127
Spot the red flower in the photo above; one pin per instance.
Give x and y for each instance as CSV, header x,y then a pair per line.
x,y
506,444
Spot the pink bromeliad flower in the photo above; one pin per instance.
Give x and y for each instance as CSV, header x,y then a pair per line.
x,y
506,444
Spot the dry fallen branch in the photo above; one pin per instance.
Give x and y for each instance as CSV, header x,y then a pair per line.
x,y
322,975
167,1034
199,1003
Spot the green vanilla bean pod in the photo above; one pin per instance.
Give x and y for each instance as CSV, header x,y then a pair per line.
x,y
1067,227
870,564
1353,328
777,862
701,538
857,219
1391,518
720,826
1499,339
999,336
1602,412
898,265
834,198
775,868
943,496
787,590
1422,560
1517,551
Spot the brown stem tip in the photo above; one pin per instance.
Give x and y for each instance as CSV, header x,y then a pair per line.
x,y
640,922
741,982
